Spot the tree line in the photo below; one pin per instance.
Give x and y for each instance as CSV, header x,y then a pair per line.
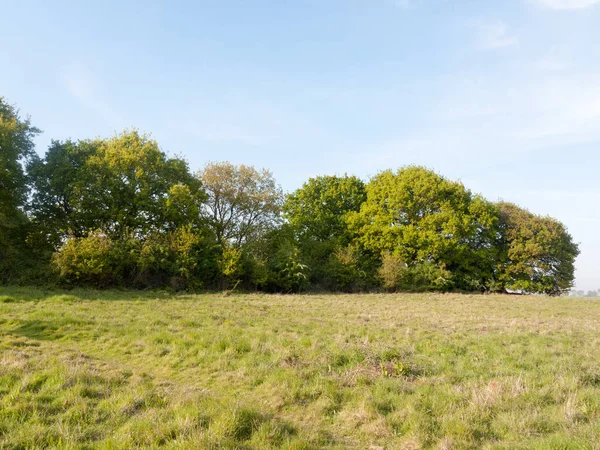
x,y
121,212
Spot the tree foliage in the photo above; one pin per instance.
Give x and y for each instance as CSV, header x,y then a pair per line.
x,y
16,149
424,219
242,203
318,209
57,181
128,183
539,253
317,215
118,185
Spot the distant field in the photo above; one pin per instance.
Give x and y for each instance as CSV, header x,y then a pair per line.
x,y
124,370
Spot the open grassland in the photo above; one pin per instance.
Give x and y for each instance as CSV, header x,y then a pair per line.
x,y
123,370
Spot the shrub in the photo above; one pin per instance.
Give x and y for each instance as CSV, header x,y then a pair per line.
x,y
345,270
172,259
231,266
286,271
396,275
93,260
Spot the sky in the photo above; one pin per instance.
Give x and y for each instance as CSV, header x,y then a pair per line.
x,y
501,95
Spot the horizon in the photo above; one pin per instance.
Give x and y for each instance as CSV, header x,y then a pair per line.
x,y
479,92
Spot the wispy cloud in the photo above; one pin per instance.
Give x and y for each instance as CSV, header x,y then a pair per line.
x,y
494,35
566,4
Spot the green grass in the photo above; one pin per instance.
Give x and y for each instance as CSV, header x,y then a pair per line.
x,y
115,370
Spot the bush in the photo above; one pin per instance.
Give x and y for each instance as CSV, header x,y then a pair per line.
x,y
396,275
286,272
231,266
347,270
173,259
93,260
180,259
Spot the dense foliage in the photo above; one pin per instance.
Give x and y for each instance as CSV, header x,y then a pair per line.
x,y
16,149
121,212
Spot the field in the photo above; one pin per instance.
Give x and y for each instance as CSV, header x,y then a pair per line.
x,y
116,370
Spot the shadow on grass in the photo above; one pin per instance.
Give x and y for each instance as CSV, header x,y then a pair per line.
x,y
38,329
14,294
45,330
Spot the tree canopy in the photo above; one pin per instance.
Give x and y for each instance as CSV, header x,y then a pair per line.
x,y
539,253
423,219
243,202
122,184
318,209
16,148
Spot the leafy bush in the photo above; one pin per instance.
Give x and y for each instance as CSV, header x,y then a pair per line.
x,y
231,266
286,271
180,259
348,270
174,259
92,260
395,275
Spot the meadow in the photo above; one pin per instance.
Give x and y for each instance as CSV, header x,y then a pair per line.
x,y
112,370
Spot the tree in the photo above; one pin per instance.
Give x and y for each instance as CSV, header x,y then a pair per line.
x,y
317,213
119,185
55,180
427,221
318,209
539,253
243,203
16,148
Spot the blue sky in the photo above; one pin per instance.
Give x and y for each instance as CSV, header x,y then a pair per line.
x,y
503,95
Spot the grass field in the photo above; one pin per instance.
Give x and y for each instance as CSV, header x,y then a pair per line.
x,y
123,370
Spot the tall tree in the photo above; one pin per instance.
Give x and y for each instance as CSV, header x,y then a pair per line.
x,y
243,202
130,182
539,253
16,147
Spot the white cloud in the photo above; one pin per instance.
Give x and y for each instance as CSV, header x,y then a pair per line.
x,y
494,35
566,4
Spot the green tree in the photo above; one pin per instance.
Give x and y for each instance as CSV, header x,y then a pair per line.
x,y
120,211
16,148
427,221
118,185
317,213
57,178
318,209
129,184
538,252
